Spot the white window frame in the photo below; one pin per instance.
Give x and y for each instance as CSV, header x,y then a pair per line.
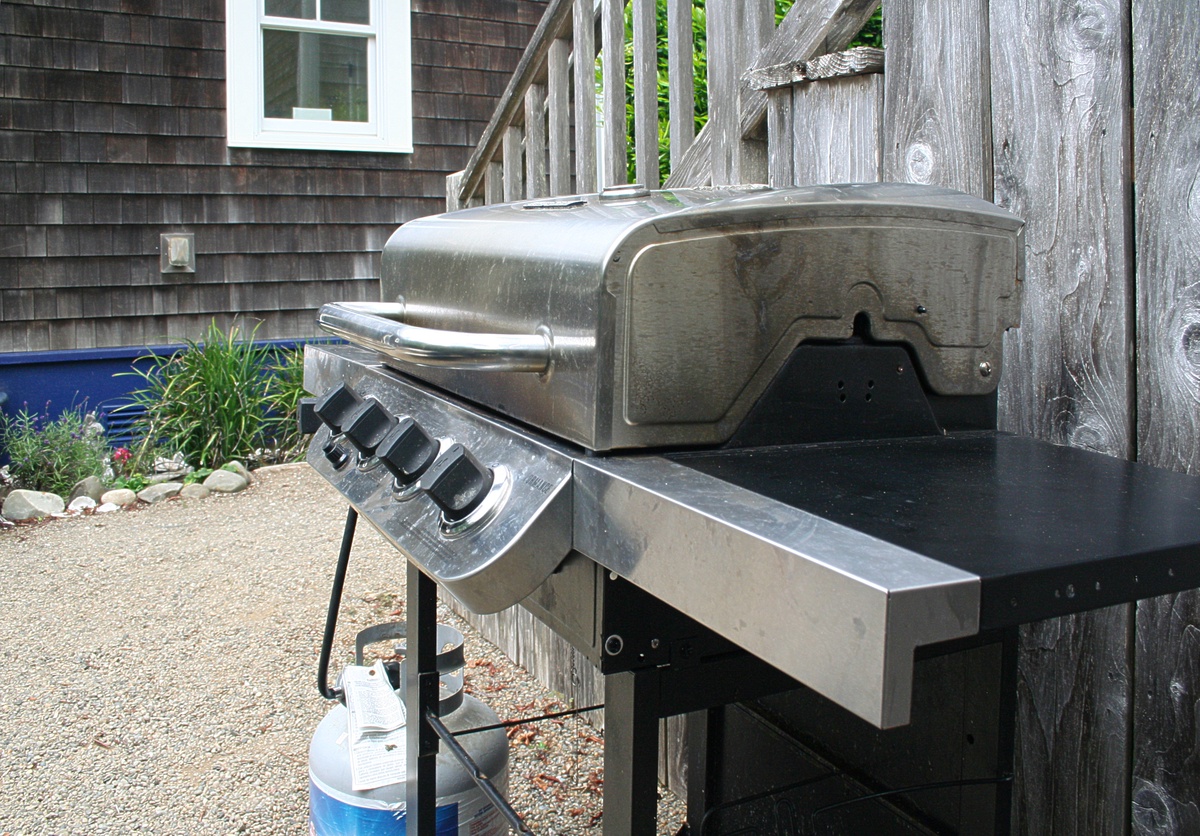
x,y
389,80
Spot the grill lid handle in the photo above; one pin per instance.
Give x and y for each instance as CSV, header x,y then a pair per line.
x,y
377,325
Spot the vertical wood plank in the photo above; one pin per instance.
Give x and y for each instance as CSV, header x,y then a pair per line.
x,y
535,141
558,87
1060,96
453,182
781,143
493,183
737,29
584,36
838,127
936,108
612,62
1166,136
645,93
514,163
681,82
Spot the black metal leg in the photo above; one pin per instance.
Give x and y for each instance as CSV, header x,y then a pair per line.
x,y
421,695
704,764
631,753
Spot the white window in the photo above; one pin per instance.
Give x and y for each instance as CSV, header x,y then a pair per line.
x,y
320,74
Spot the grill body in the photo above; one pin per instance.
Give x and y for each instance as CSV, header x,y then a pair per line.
x,y
739,448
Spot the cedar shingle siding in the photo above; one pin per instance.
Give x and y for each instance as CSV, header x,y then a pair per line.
x,y
112,131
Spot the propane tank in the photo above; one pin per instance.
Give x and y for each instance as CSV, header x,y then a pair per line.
x,y
336,809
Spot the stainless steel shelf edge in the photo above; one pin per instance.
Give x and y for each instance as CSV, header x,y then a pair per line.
x,y
838,610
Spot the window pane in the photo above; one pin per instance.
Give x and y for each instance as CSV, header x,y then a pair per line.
x,y
303,9
311,76
346,11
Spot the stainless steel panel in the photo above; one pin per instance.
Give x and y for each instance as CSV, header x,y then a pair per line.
x,y
489,566
668,314
838,610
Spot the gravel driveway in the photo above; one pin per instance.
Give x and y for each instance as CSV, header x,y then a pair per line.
x,y
159,664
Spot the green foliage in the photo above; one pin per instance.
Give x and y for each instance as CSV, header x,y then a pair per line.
x,y
134,482
197,475
209,401
284,390
52,455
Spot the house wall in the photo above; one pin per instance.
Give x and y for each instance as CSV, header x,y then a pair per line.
x,y
112,131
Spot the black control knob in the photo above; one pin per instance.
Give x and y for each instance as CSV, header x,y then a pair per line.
x,y
457,482
337,405
407,450
367,425
336,455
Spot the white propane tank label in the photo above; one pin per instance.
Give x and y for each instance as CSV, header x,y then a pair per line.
x,y
334,813
376,728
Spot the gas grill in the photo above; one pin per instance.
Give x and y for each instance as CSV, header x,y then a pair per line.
x,y
735,443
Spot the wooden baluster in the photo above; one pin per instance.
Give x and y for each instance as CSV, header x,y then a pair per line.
x,y
681,83
585,96
493,183
645,92
558,99
514,169
535,141
612,31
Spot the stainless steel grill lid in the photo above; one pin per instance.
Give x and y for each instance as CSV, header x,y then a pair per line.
x,y
620,322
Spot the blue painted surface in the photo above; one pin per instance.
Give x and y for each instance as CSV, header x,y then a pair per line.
x,y
63,379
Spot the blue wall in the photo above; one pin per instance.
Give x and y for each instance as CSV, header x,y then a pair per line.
x,y
69,378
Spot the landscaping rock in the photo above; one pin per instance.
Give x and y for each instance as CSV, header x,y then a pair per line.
x,y
194,491
90,487
160,478
119,496
159,492
107,508
238,468
31,505
81,503
226,481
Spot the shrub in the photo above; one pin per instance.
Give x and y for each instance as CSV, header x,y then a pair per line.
x,y
52,455
209,400
285,388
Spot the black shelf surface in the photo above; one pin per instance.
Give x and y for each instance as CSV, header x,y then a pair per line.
x,y
1050,530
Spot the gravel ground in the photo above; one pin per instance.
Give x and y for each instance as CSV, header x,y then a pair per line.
x,y
159,664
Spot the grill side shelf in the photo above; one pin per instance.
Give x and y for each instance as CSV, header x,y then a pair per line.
x,y
838,610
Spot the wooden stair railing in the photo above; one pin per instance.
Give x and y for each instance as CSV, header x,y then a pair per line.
x,y
542,140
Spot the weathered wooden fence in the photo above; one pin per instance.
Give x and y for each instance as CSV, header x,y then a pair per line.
x,y
1083,118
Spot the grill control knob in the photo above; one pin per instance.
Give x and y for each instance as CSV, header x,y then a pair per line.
x,y
457,482
336,406
407,450
367,425
336,455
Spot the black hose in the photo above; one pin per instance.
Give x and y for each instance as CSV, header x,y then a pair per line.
x,y
335,601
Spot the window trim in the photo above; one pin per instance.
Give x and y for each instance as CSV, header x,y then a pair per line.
x,y
389,60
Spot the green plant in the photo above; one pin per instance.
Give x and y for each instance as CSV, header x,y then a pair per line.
x,y
134,482
52,455
197,475
285,388
209,400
